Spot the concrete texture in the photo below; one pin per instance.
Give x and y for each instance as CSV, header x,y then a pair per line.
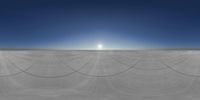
x,y
100,75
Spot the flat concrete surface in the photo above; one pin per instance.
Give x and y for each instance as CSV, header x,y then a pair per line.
x,y
100,75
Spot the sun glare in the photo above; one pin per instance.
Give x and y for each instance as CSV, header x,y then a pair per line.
x,y
99,46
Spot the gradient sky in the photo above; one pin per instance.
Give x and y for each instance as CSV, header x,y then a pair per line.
x,y
82,24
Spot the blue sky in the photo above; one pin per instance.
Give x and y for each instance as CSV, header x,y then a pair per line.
x,y
117,24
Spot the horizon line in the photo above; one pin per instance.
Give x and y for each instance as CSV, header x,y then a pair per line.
x,y
51,49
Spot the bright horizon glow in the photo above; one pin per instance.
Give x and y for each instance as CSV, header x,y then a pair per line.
x,y
99,46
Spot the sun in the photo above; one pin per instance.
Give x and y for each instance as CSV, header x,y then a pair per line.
x,y
99,46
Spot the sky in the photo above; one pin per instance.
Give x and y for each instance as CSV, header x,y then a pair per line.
x,y
83,24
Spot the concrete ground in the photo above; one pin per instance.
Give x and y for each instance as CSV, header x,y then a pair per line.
x,y
100,75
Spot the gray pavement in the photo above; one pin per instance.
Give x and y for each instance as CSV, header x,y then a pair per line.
x,y
100,75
